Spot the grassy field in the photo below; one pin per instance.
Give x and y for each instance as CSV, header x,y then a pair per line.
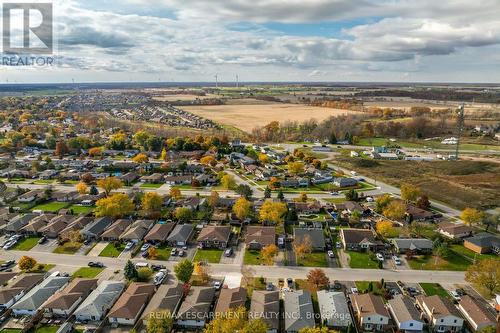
x,y
458,183
68,248
26,244
315,259
453,262
435,144
87,272
210,255
79,209
150,185
432,289
51,207
252,257
247,117
361,260
112,251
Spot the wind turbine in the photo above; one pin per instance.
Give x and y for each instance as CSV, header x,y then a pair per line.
x,y
216,81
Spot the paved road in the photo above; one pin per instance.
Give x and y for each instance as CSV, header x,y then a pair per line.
x,y
343,274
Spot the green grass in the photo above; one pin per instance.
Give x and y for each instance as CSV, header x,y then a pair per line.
x,y
209,255
52,207
79,209
453,262
111,251
432,289
46,268
150,185
87,272
163,252
463,251
11,330
43,181
26,244
363,287
314,259
67,248
252,257
361,260
46,329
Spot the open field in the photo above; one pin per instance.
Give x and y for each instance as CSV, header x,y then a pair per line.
x,y
182,97
458,183
247,117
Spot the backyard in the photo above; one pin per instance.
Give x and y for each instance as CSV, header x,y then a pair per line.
x,y
51,207
79,209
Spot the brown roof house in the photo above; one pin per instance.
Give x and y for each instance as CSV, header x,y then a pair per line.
x,y
159,233
33,227
194,312
477,315
454,230
266,306
137,231
443,316
12,293
113,232
230,298
129,306
370,312
259,236
213,236
166,299
64,302
56,225
359,240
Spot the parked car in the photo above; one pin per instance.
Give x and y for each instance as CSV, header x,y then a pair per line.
x,y
95,264
129,246
354,290
181,253
87,242
173,253
217,285
289,282
228,252
9,245
269,287
42,240
397,261
157,267
145,254
160,277
338,245
330,254
380,257
8,264
455,295
336,285
145,247
141,265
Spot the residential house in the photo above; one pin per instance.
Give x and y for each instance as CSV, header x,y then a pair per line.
x,y
65,196
265,305
166,299
31,196
359,240
178,180
405,314
76,225
345,182
194,312
5,277
258,237
454,230
212,236
97,304
306,207
95,229
483,243
113,232
230,298
17,223
442,315
13,292
32,301
315,236
418,214
370,312
129,306
56,225
64,302
476,314
334,309
180,235
129,178
37,223
193,203
137,231
298,303
415,245
159,233
155,178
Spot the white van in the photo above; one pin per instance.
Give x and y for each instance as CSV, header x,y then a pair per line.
x,y
141,265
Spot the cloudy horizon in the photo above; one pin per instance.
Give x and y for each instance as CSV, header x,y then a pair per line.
x,y
272,40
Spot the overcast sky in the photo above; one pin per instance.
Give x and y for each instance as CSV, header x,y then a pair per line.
x,y
273,40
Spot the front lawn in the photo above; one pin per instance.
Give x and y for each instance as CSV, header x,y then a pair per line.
x,y
454,262
252,257
79,209
361,260
432,289
46,329
150,185
208,255
51,207
364,287
87,272
112,251
462,250
68,248
26,244
163,252
314,259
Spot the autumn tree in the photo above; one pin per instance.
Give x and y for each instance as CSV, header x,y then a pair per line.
x,y
202,271
183,270
235,320
183,214
382,202
384,228
160,322
87,178
317,278
485,274
213,199
395,210
26,263
302,197
228,182
268,253
208,160
116,205
263,158
152,202
109,184
81,188
175,193
242,208
323,329
95,151
163,155
472,216
302,247
272,212
296,168
423,202
140,158
410,192
61,149
152,253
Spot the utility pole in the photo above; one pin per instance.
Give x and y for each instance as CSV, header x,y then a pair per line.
x,y
460,127
237,81
216,81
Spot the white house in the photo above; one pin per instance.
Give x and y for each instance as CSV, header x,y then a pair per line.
x,y
441,313
370,312
476,314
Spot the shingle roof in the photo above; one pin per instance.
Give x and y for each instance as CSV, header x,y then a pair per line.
x,y
316,236
67,297
476,311
442,306
159,232
166,298
101,299
39,294
484,240
132,300
403,309
137,230
197,302
299,303
356,236
266,306
333,306
413,243
116,229
231,299
181,233
261,235
366,304
215,233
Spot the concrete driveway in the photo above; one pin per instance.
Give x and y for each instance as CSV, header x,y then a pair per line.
x,y
97,249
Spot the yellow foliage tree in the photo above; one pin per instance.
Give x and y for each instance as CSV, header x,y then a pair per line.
x,y
272,212
268,253
263,158
302,247
116,205
410,192
109,184
152,253
228,182
82,188
175,193
202,271
395,210
296,168
485,274
208,160
152,202
26,263
242,208
384,228
472,216
235,320
140,158
163,155
95,151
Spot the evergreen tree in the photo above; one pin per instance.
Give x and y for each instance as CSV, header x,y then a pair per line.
x,y
130,271
281,196
267,193
332,139
93,190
